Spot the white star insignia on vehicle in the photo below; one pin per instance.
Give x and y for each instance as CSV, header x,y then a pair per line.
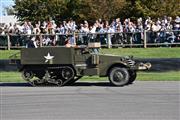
x,y
48,57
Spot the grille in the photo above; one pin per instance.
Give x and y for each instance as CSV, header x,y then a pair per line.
x,y
130,62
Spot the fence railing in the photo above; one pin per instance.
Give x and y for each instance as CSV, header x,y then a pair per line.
x,y
117,39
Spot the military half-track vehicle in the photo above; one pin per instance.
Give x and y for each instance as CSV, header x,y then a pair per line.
x,y
63,66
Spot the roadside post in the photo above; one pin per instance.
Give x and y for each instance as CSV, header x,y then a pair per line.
x,y
145,39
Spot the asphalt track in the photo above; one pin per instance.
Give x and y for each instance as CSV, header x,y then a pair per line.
x,y
140,101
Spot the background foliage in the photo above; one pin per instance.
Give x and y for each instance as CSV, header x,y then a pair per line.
x,y
35,10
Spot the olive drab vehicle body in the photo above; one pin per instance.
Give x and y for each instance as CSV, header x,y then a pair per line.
x,y
63,66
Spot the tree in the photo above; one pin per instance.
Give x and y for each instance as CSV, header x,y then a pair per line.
x,y
35,10
131,9
153,8
71,10
105,9
159,8
9,10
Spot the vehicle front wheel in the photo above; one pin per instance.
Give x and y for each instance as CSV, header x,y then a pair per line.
x,y
132,77
119,76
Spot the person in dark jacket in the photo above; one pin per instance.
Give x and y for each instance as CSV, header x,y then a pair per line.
x,y
32,43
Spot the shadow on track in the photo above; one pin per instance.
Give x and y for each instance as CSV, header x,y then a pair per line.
x,y
83,84
15,85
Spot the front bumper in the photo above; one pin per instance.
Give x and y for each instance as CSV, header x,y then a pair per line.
x,y
143,66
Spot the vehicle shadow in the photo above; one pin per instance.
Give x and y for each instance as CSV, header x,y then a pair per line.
x,y
15,85
91,84
82,84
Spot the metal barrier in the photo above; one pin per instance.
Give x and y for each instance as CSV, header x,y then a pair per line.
x,y
117,39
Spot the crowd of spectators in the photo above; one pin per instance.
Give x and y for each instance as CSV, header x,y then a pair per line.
x,y
158,30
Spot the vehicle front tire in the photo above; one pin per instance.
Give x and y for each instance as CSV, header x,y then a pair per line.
x,y
119,76
133,76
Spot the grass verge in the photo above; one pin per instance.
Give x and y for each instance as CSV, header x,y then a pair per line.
x,y
142,76
145,53
136,52
5,54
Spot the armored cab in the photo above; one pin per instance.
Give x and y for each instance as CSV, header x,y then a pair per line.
x,y
62,66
